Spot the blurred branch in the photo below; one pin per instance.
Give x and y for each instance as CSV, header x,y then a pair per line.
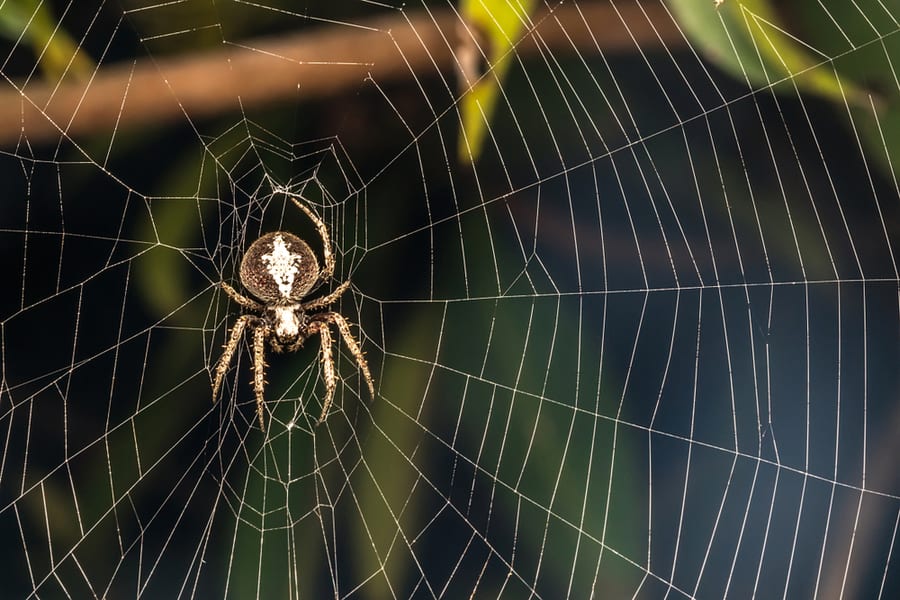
x,y
311,64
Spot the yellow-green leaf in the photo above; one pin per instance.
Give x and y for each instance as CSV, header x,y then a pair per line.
x,y
33,22
485,52
749,39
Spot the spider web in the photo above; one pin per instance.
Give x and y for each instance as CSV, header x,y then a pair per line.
x,y
646,345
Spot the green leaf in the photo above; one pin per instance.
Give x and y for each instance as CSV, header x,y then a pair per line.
x,y
492,29
749,40
33,22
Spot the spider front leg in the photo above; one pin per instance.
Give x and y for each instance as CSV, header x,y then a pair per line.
x,y
230,346
354,348
327,365
259,371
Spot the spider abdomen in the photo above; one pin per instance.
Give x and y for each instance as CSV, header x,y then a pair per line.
x,y
279,267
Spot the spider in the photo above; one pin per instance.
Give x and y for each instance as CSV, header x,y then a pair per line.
x,y
280,270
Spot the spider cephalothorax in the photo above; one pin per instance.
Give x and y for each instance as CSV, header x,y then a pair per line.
x,y
280,269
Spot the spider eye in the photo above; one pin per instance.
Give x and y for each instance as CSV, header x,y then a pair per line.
x,y
279,266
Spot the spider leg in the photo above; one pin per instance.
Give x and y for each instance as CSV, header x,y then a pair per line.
x,y
326,300
236,331
328,269
352,345
327,365
241,299
259,371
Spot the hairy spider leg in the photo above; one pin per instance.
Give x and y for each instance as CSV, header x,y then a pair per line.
x,y
328,269
352,344
326,300
230,346
241,299
327,359
344,328
259,371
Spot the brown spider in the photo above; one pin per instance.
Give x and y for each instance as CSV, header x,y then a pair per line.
x,y
280,270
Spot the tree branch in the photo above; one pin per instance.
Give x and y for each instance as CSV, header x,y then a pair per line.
x,y
311,64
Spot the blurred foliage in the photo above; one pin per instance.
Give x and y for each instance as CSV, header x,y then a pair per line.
x,y
751,41
791,47
486,52
57,53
